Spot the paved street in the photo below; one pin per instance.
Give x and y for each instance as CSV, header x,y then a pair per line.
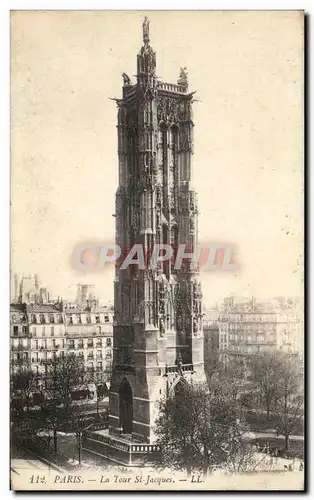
x,y
273,434
22,461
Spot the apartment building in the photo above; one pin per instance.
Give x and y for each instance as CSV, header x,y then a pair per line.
x,y
249,326
211,339
90,336
39,332
20,344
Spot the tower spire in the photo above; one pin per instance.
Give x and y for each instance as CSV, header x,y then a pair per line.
x,y
146,60
146,31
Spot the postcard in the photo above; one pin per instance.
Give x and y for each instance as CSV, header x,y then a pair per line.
x,y
157,305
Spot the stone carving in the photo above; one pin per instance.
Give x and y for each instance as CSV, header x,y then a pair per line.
x,y
185,111
162,327
179,321
183,78
167,110
145,31
192,201
161,298
180,363
192,225
126,80
185,143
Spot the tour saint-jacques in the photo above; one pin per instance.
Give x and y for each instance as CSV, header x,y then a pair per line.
x,y
158,335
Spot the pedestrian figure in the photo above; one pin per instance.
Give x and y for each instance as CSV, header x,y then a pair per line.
x,y
277,431
301,466
290,467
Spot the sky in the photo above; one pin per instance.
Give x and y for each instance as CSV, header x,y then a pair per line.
x,y
247,70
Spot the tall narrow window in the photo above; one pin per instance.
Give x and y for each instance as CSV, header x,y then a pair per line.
x,y
172,166
165,163
165,242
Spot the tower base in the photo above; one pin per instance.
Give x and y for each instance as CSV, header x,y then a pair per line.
x,y
120,450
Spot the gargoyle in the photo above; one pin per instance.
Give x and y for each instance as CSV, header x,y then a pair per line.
x,y
126,79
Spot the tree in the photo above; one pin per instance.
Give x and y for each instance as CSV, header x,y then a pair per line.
x,y
65,375
264,374
290,401
198,429
279,377
23,386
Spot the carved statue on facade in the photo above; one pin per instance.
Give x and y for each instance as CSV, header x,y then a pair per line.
x,y
161,298
180,363
192,225
162,327
179,321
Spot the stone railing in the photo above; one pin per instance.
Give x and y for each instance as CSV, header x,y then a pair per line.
x,y
127,447
184,368
97,427
144,448
171,87
107,440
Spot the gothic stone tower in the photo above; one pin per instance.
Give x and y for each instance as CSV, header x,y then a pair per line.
x,y
158,335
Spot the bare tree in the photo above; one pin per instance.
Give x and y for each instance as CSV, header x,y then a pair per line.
x,y
289,407
264,374
23,386
198,429
65,375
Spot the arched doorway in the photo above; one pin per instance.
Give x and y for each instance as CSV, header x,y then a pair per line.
x,y
126,407
181,399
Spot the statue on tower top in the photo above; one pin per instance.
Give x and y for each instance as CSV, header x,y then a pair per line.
x,y
183,78
146,31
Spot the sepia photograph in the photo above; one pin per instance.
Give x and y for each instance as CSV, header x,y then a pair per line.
x,y
157,250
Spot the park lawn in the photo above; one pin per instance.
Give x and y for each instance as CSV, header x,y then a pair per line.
x,y
260,422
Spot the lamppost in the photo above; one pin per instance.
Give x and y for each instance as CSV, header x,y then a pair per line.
x,y
79,438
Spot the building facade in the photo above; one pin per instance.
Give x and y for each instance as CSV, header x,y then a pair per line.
x,y
90,336
211,341
158,332
249,326
20,341
40,332
28,290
